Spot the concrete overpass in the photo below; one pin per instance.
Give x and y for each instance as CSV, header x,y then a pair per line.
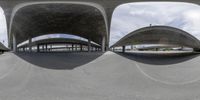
x,y
159,35
46,45
92,76
40,19
27,18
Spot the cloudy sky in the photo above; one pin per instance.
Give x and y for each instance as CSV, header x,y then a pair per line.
x,y
129,17
3,29
132,16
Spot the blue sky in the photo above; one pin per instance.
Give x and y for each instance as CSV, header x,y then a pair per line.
x,y
129,17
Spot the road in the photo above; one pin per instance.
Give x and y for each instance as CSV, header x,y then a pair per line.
x,y
108,76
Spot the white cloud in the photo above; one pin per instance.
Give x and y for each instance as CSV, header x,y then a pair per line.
x,y
3,28
129,17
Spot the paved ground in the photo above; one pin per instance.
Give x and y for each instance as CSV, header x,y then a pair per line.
x,y
109,76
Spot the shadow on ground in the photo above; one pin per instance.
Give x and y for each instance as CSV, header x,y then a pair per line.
x,y
66,61
159,59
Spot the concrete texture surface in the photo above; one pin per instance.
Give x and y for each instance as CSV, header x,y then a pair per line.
x,y
109,76
164,35
81,20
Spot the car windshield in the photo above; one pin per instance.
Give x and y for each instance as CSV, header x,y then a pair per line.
x,y
99,50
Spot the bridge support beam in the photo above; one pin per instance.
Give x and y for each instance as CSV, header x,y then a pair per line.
x,y
76,46
29,44
89,45
103,44
46,48
81,47
72,47
42,47
38,48
14,43
123,48
23,49
113,49
132,47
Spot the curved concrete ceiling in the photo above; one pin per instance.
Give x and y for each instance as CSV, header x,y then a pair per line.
x,y
159,35
40,19
106,7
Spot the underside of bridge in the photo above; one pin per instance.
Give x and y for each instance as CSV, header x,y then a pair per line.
x,y
58,44
159,35
28,18
40,19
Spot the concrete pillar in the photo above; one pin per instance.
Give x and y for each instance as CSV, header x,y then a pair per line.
x,y
91,48
46,48
67,49
103,44
42,47
75,47
29,44
22,49
95,49
72,47
113,49
81,47
14,43
89,45
123,48
50,48
38,48
132,47
156,49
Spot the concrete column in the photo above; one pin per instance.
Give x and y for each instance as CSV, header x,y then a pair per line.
x,y
75,47
123,48
29,44
72,47
113,49
95,49
156,49
23,49
81,47
89,45
131,47
42,47
66,47
14,43
91,48
38,48
46,47
103,44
